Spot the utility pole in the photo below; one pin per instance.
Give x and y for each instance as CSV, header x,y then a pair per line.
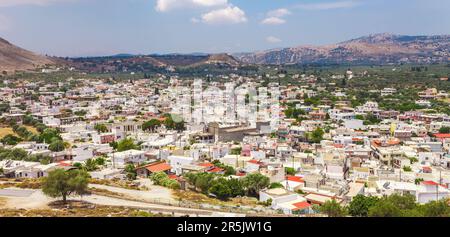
x,y
437,192
287,182
293,162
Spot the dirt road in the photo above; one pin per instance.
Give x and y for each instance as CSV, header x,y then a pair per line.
x,y
37,200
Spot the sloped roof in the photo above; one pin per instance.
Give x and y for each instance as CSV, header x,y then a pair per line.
x,y
160,167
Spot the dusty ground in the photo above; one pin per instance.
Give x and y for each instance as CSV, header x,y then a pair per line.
x,y
77,209
38,201
154,193
28,196
2,202
117,183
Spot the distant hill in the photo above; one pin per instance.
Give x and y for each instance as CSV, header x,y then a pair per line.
x,y
376,49
372,49
125,62
13,58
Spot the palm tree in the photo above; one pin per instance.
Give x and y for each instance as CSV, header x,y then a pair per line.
x,y
90,165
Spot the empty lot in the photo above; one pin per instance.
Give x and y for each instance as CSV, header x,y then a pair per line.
x,y
16,192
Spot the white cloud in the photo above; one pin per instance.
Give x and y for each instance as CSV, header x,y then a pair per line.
x,y
279,12
327,5
11,3
228,15
273,39
274,17
195,20
273,21
167,5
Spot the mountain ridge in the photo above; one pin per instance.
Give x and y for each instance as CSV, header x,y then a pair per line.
x,y
384,48
14,58
375,48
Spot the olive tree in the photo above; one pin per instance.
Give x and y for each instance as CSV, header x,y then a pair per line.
x,y
62,183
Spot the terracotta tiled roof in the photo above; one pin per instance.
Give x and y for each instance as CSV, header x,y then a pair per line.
x,y
255,162
160,167
431,183
295,178
301,205
442,135
215,170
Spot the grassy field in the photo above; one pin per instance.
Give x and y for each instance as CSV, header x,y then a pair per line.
x,y
7,131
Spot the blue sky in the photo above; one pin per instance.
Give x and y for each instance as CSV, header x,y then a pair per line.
x,y
105,27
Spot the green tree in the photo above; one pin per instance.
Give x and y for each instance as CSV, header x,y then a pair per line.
x,y
201,181
162,179
407,169
13,154
292,112
253,183
101,161
406,201
360,117
56,145
317,135
10,140
360,205
417,181
90,165
77,165
49,134
220,190
159,178
384,208
228,169
151,125
61,183
130,171
275,185
332,209
101,128
204,181
444,130
236,188
126,144
436,209
290,171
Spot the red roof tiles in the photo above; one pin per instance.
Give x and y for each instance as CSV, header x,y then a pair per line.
x,y
442,135
215,170
295,178
301,205
160,167
431,183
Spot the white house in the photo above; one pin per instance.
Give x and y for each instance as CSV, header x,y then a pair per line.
x,y
177,162
120,159
285,201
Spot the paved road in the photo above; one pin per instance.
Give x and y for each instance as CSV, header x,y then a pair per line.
x,y
16,192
